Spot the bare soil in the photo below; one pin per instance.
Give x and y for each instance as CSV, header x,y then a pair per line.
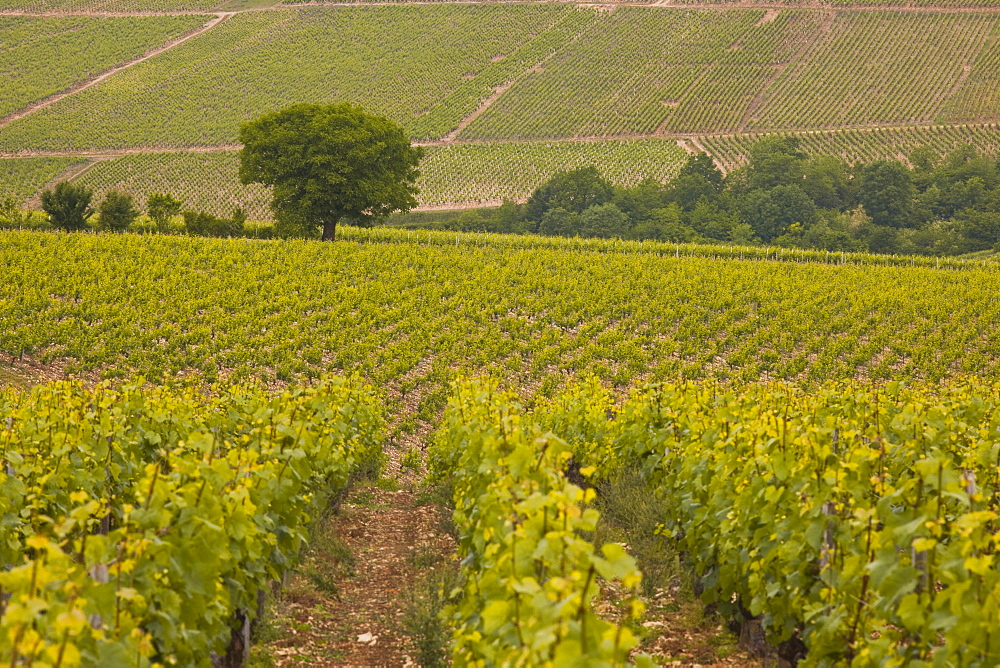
x,y
357,621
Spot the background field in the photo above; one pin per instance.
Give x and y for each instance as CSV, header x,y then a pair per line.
x,y
863,145
100,6
133,6
41,56
470,78
547,71
460,174
474,174
23,177
397,61
702,71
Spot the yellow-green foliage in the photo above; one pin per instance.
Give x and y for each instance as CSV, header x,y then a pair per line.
x,y
534,310
529,576
862,518
138,521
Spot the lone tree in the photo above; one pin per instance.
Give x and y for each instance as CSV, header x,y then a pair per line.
x,y
328,163
68,206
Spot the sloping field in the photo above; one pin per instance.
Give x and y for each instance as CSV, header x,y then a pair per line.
x,y
110,6
977,97
40,56
864,145
488,173
21,178
838,4
623,76
454,175
909,5
397,61
202,181
718,70
541,71
857,83
865,68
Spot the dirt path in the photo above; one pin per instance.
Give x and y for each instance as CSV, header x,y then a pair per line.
x,y
464,123
52,99
343,610
657,5
687,137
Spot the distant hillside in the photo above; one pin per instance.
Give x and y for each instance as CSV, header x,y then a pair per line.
x,y
493,84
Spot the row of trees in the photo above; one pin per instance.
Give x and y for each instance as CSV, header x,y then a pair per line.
x,y
69,206
932,205
333,163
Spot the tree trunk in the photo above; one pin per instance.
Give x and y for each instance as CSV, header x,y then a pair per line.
x,y
329,230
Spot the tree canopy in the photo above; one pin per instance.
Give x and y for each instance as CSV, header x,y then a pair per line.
x,y
575,191
329,163
117,211
68,205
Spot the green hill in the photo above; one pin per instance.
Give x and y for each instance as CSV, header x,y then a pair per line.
x,y
495,83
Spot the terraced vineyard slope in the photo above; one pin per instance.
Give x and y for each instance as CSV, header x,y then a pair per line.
x,y
42,56
852,79
861,83
867,145
397,61
456,174
21,178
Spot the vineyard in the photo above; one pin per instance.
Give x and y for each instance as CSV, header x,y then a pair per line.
x,y
791,517
697,71
838,4
204,440
142,522
202,181
539,71
397,61
491,86
23,177
464,174
857,520
100,306
42,56
106,6
855,146
840,81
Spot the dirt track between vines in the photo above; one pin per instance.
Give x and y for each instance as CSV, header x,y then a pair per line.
x,y
656,4
676,136
93,81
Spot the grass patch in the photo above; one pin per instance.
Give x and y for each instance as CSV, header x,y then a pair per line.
x,y
422,619
386,484
423,558
329,560
11,379
411,459
439,495
631,514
